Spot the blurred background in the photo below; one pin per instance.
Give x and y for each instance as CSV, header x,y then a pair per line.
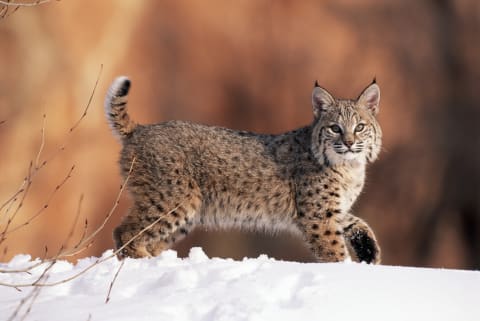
x,y
249,65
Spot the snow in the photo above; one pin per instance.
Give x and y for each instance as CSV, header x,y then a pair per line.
x,y
200,288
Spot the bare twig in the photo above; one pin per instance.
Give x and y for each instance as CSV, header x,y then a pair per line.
x,y
113,281
7,4
23,4
77,123
23,189
87,240
44,207
42,144
77,216
22,303
44,273
98,261
30,298
84,234
15,202
4,253
89,101
28,182
34,169
36,292
11,201
4,13
30,267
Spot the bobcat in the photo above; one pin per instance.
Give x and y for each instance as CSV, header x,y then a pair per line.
x,y
305,181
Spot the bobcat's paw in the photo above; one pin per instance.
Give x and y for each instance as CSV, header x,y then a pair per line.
x,y
364,247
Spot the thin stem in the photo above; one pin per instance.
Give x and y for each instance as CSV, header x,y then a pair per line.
x,y
23,4
113,281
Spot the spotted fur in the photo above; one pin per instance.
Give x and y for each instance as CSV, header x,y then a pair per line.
x,y
304,181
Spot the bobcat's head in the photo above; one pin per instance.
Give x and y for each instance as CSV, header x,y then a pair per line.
x,y
344,130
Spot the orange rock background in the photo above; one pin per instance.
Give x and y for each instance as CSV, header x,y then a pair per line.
x,y
247,65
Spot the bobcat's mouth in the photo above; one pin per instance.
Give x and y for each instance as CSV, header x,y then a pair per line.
x,y
347,151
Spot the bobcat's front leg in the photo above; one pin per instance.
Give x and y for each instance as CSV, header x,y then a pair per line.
x,y
323,232
360,240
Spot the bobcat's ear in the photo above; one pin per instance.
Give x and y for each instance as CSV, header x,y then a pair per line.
x,y
370,98
321,100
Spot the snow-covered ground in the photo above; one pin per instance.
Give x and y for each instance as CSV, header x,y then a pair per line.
x,y
199,288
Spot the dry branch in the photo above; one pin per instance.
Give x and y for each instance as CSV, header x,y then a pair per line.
x,y
94,264
85,241
24,191
113,281
40,211
23,4
4,11
34,167
89,101
10,209
6,5
75,221
30,299
42,142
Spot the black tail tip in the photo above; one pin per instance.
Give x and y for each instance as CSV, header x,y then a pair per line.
x,y
124,87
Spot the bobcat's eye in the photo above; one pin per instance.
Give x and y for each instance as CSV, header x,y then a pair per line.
x,y
336,129
359,128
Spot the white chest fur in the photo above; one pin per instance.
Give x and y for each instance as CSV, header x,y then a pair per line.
x,y
352,180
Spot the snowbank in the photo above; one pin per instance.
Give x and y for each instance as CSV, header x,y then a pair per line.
x,y
199,288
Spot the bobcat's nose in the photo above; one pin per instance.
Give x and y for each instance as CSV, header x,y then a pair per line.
x,y
348,142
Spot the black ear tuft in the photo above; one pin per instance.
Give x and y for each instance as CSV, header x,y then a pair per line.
x,y
322,100
316,84
374,80
370,97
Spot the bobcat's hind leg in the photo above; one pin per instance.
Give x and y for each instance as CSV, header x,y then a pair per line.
x,y
169,225
360,239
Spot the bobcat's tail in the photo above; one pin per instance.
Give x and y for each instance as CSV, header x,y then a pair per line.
x,y
116,107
